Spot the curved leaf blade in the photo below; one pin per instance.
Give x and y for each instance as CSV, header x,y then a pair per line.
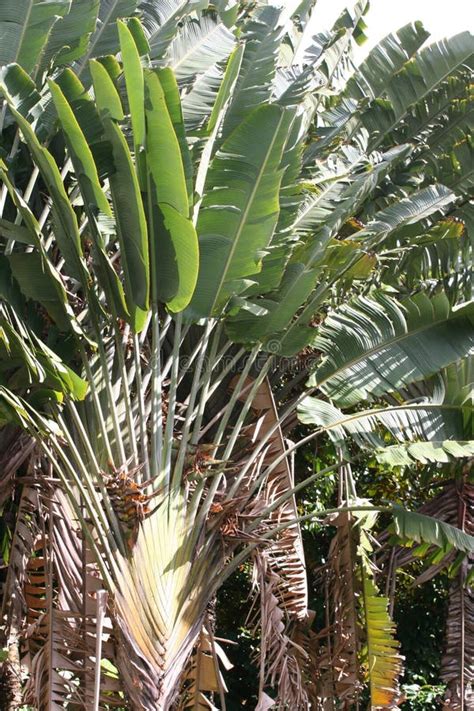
x,y
375,345
240,208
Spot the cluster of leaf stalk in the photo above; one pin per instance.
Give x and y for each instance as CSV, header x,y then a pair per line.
x,y
214,225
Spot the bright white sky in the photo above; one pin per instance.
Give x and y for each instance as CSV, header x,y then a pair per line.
x,y
440,17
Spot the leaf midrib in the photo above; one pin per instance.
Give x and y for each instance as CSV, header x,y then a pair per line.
x,y
246,213
419,99
24,30
390,342
96,36
389,410
195,47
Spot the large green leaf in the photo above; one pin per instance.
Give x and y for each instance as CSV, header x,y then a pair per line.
x,y
130,217
105,38
39,282
444,427
211,92
161,21
247,327
24,29
441,253
337,193
384,61
39,364
135,84
173,104
414,526
414,83
81,155
174,244
319,214
261,37
64,218
198,45
69,37
407,211
86,113
240,208
374,345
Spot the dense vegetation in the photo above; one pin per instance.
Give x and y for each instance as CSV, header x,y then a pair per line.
x,y
236,348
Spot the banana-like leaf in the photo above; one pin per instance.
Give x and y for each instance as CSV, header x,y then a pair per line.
x,y
442,509
37,277
437,118
414,83
105,39
338,192
135,85
415,526
246,327
445,423
328,49
40,283
70,35
65,221
261,37
407,211
210,93
81,155
455,166
25,27
160,19
173,104
174,245
240,208
425,452
443,253
199,45
28,361
402,342
171,185
385,60
130,214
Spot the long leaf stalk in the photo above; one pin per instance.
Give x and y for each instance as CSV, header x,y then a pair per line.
x,y
191,400
86,485
97,407
125,389
106,375
219,437
213,361
142,419
165,476
111,516
216,384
